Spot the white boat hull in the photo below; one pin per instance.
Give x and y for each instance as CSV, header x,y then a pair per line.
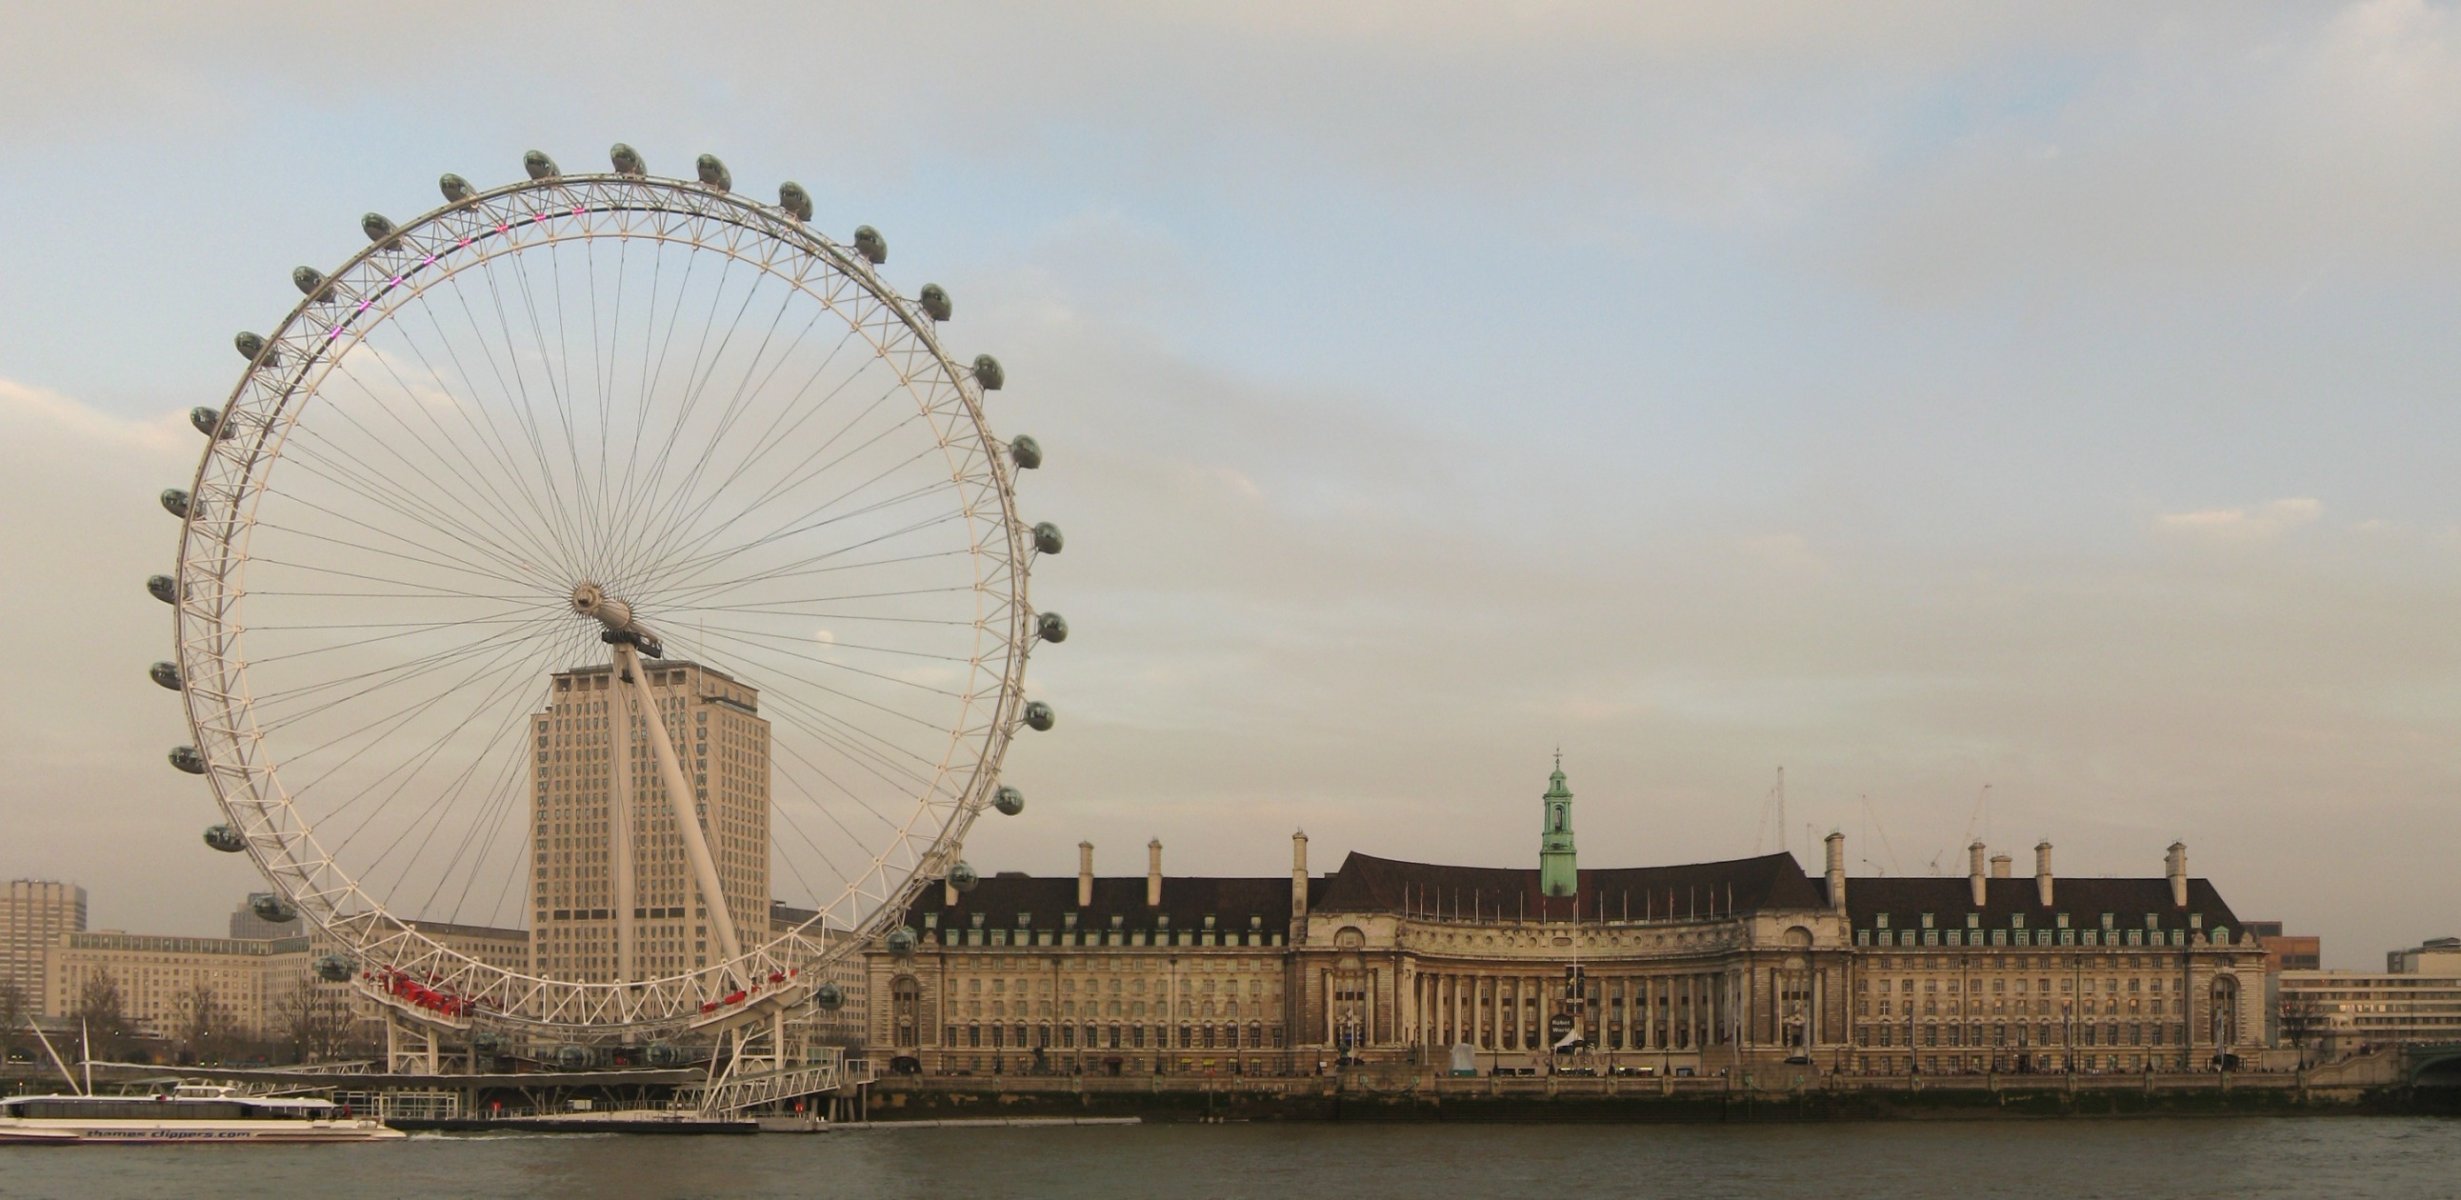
x,y
39,1131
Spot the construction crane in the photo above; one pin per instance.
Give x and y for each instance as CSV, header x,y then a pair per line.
x,y
1873,818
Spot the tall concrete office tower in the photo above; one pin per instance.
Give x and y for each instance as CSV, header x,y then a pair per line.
x,y
33,915
723,743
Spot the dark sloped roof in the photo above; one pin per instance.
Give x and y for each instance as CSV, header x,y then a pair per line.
x,y
1187,900
1365,883
1905,900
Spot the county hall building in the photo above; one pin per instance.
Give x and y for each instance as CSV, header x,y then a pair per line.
x,y
1692,968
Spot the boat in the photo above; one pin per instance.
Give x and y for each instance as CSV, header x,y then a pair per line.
x,y
186,1113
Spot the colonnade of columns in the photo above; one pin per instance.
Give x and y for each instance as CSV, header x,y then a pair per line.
x,y
1678,1011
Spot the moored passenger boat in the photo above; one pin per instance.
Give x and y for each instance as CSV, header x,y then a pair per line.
x,y
187,1113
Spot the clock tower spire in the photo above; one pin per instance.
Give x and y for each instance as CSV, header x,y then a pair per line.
x,y
1557,873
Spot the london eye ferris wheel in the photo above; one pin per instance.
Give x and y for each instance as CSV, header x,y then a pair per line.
x,y
616,557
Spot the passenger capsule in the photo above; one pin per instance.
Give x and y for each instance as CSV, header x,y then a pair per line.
x,y
713,173
627,160
662,1054
251,346
455,188
1051,627
175,502
828,998
901,940
539,165
1039,715
208,421
307,280
376,227
796,201
272,908
963,877
1025,452
164,673
335,968
934,301
1047,539
187,759
869,243
572,1058
987,372
225,838
1009,801
163,588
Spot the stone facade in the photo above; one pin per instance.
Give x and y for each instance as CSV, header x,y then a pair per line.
x,y
1696,968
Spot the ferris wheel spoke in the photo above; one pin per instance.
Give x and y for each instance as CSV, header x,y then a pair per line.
x,y
833,643
507,623
679,512
559,514
351,475
385,723
509,791
417,760
497,451
811,471
870,750
501,447
442,564
692,568
556,388
772,436
417,589
696,384
652,379
806,572
835,666
819,466
271,703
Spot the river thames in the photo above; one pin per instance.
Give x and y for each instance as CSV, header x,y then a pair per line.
x,y
2239,1158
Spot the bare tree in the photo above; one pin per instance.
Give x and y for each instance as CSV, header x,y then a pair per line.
x,y
2303,1023
12,1015
205,1026
312,1022
104,1014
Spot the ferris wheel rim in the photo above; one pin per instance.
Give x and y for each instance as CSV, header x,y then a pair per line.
x,y
242,774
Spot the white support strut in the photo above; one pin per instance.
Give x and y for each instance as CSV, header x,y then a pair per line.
x,y
679,794
620,833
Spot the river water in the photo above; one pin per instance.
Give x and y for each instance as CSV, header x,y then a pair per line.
x,y
2139,1159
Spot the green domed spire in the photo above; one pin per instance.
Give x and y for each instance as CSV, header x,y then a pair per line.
x,y
1558,872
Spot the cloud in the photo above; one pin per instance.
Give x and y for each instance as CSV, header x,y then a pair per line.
x,y
2261,523
91,797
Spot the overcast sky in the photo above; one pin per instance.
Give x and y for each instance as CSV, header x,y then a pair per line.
x,y
1915,397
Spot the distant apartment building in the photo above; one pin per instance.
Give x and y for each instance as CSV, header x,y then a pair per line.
x,y
2416,998
34,914
246,924
2287,951
164,981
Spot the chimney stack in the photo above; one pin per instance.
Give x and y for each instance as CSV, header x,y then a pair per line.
x,y
1999,866
1837,871
1153,873
2042,871
1974,876
2175,864
1085,874
1298,887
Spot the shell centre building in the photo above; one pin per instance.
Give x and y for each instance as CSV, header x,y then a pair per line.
x,y
1684,969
